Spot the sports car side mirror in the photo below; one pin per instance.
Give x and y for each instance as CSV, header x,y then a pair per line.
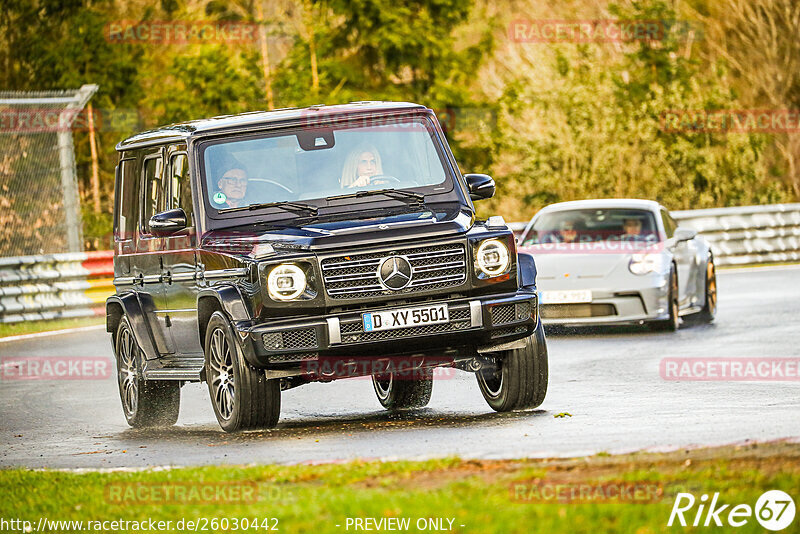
x,y
684,234
480,186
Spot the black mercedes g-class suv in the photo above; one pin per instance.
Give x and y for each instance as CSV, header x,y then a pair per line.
x,y
262,251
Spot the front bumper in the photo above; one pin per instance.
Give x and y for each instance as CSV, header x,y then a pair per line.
x,y
476,325
613,306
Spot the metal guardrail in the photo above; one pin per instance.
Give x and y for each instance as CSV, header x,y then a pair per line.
x,y
749,234
744,235
55,286
77,284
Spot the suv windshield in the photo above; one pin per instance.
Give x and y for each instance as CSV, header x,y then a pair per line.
x,y
303,164
592,225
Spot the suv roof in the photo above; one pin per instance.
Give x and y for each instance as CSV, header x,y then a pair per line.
x,y
182,130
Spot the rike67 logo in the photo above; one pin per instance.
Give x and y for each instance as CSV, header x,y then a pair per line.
x,y
774,510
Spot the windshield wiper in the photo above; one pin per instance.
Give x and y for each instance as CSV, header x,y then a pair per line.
x,y
297,207
398,194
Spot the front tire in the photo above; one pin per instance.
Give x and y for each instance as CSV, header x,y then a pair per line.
x,y
518,379
709,310
403,393
672,323
145,403
243,398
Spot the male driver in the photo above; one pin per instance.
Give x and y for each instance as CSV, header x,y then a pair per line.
x,y
567,232
232,189
632,227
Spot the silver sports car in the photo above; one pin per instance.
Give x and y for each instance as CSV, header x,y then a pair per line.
x,y
619,262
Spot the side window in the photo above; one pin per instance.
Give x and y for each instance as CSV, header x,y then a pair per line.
x,y
669,224
155,200
126,201
180,186
673,222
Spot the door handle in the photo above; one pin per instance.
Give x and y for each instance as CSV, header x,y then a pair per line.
x,y
167,277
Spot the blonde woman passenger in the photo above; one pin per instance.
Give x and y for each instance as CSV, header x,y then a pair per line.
x,y
360,167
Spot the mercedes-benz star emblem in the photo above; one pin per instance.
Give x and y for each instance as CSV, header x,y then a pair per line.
x,y
395,273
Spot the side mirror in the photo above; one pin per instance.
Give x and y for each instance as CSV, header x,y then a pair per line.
x,y
684,234
167,222
480,186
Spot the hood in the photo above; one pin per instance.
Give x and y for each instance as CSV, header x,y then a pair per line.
x,y
325,234
581,262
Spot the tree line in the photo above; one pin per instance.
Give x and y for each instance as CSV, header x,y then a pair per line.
x,y
550,118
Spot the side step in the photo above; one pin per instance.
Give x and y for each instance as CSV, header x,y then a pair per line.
x,y
185,369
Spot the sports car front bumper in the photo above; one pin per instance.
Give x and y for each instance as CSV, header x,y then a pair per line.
x,y
644,299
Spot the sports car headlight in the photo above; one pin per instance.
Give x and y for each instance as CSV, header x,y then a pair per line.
x,y
286,282
493,257
644,263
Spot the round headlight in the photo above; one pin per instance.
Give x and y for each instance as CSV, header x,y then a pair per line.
x,y
493,257
286,282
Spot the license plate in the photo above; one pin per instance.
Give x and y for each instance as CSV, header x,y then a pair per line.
x,y
566,297
405,317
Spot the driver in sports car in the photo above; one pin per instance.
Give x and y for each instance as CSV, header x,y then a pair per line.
x,y
632,229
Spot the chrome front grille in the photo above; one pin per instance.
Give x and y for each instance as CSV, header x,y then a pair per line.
x,y
356,276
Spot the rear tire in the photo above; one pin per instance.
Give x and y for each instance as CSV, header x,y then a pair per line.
x,y
242,396
145,403
709,310
671,324
518,380
403,393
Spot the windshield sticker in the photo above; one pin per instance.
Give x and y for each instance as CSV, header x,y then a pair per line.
x,y
220,198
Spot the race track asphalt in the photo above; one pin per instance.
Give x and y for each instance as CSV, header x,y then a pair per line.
x,y
608,381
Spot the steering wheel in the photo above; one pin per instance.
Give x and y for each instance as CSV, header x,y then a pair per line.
x,y
382,179
273,182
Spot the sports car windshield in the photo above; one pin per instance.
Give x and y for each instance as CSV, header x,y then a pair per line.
x,y
291,168
594,225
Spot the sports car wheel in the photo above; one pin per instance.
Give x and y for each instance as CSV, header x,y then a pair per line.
x,y
518,378
243,397
709,310
146,403
670,324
